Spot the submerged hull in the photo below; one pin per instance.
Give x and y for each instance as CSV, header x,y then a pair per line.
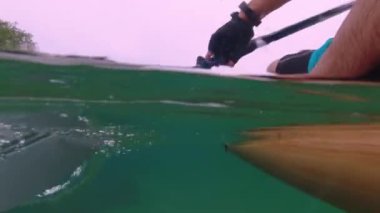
x,y
337,163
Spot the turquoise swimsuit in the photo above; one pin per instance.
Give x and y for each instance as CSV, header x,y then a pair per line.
x,y
317,54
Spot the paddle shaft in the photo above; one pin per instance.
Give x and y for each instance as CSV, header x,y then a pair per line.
x,y
265,40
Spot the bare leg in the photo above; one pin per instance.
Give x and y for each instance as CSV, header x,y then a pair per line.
x,y
356,47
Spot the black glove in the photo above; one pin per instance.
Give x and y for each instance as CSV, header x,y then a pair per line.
x,y
230,42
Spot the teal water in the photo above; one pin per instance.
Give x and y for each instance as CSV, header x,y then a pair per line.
x,y
153,141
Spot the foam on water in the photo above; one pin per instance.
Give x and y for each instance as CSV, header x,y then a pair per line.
x,y
58,188
57,81
183,103
206,104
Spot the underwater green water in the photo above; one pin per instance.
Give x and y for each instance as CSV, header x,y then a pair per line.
x,y
154,141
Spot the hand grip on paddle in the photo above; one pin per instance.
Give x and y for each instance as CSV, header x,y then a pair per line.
x,y
225,50
229,43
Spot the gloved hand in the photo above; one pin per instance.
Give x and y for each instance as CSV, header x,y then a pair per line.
x,y
230,42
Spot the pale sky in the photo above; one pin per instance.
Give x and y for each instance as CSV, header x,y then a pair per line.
x,y
164,32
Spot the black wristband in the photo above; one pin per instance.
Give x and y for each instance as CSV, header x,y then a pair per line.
x,y
252,16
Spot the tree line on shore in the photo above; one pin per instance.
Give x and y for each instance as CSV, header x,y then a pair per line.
x,y
13,38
